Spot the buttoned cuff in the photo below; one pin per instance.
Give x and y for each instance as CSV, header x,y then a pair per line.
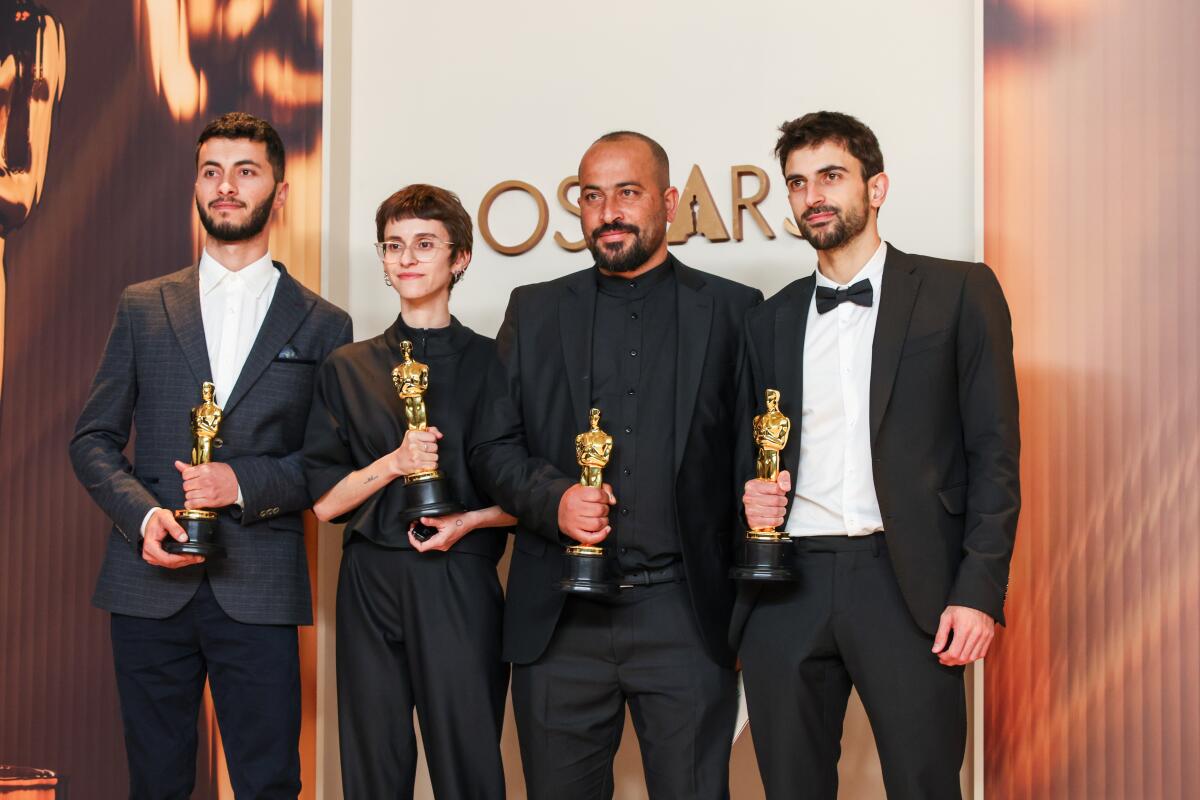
x,y
146,519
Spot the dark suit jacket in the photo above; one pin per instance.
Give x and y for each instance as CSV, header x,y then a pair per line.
x,y
540,399
150,373
943,416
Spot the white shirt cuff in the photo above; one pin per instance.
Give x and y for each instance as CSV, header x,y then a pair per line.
x,y
146,520
241,501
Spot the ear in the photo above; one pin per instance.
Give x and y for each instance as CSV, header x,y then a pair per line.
x,y
671,201
281,193
877,189
461,262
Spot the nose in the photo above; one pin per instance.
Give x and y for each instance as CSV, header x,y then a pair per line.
x,y
813,195
611,212
226,187
408,256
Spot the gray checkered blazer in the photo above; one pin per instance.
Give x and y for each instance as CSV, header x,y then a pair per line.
x,y
150,375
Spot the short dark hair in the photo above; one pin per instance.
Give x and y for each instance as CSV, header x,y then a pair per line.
x,y
820,127
240,125
422,201
661,162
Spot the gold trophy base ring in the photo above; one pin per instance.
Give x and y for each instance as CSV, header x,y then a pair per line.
x,y
201,529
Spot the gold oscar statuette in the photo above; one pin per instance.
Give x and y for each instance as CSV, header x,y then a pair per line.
x,y
584,570
765,551
426,493
201,524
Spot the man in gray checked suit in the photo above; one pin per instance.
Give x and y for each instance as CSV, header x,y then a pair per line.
x,y
239,320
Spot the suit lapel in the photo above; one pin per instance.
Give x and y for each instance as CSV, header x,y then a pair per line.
x,y
181,299
791,326
288,309
694,309
576,311
899,294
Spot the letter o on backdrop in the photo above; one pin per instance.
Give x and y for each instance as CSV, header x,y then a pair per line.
x,y
542,222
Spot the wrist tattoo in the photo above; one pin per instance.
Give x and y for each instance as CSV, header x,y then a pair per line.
x,y
371,478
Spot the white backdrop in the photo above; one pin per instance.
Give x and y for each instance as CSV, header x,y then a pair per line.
x,y
468,95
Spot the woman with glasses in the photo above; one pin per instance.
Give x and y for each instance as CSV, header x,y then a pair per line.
x,y
419,606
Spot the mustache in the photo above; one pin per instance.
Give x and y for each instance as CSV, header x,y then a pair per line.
x,y
615,227
239,203
812,212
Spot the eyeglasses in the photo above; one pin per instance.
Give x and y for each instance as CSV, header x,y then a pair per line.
x,y
423,250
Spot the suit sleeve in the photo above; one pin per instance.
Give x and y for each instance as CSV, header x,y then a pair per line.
x,y
102,431
273,485
991,439
327,455
526,486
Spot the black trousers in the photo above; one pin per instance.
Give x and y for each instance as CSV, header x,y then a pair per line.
x,y
419,630
642,647
254,672
844,623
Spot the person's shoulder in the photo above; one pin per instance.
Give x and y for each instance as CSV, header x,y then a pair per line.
x,y
322,307
931,266
152,288
554,286
718,285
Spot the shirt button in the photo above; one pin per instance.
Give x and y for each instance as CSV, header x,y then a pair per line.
x,y
632,392
627,471
633,284
633,315
624,550
628,430
624,512
633,353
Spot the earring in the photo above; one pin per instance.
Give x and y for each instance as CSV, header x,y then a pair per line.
x,y
386,279
457,277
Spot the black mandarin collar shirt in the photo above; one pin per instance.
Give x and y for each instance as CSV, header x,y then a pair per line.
x,y
634,345
357,417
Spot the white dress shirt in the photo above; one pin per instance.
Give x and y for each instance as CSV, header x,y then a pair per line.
x,y
835,488
233,306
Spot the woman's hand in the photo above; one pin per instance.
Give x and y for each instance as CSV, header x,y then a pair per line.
x,y
450,529
417,453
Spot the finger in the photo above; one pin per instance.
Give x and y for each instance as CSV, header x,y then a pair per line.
x,y
433,429
589,494
981,649
943,632
432,522
611,498
784,481
958,643
172,527
179,465
416,543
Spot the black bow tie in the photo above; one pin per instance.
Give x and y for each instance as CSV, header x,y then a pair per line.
x,y
860,293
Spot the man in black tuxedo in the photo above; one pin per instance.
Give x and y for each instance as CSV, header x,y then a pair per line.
x,y
897,373
239,320
654,345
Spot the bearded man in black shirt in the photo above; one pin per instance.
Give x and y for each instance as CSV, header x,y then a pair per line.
x,y
654,345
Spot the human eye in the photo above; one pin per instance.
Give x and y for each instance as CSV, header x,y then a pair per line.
x,y
590,197
629,193
393,247
425,244
832,177
795,185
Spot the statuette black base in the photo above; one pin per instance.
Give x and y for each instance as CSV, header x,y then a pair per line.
x,y
586,573
201,529
428,498
765,560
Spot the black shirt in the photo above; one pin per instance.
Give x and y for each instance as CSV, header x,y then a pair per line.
x,y
634,344
357,417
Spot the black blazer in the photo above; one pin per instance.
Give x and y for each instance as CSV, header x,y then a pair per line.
x,y
540,399
150,375
943,415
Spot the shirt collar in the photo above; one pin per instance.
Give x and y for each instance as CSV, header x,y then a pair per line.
x,y
428,341
256,276
872,270
636,288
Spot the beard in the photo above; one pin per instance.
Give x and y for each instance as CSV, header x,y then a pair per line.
x,y
626,257
231,232
842,228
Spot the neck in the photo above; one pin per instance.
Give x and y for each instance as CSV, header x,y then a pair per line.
x,y
236,256
426,312
841,264
659,256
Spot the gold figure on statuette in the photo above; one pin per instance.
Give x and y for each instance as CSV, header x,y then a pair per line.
x,y
593,449
411,379
771,431
206,422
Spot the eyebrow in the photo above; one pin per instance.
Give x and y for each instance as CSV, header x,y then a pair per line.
x,y
825,170
250,161
422,234
620,185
